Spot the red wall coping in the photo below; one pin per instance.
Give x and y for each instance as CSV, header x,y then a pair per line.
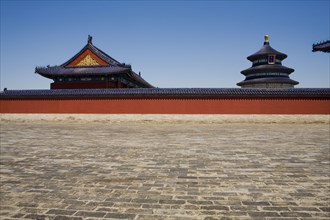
x,y
166,106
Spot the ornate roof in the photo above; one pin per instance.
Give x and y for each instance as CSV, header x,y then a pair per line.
x,y
89,46
285,80
53,71
193,93
267,68
322,46
90,61
266,50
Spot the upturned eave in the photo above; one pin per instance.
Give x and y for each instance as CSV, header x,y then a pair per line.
x,y
267,69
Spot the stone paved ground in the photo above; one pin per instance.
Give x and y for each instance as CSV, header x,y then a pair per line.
x,y
67,171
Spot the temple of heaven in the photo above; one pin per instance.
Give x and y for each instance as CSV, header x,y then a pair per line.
x,y
91,68
267,70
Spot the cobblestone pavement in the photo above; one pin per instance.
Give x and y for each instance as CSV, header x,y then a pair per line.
x,y
164,171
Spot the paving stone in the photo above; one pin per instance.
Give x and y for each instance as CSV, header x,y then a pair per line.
x,y
199,202
106,204
166,171
264,214
215,207
107,209
120,216
127,205
20,215
275,208
235,214
214,213
33,210
305,209
90,214
36,217
60,217
325,209
27,204
295,214
193,207
317,215
248,203
213,218
139,211
61,212
281,218
81,207
144,201
172,202
171,212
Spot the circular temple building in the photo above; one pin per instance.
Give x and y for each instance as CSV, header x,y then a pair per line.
x,y
267,70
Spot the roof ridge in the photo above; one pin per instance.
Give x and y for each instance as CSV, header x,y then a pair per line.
x,y
267,49
98,52
105,54
321,43
74,57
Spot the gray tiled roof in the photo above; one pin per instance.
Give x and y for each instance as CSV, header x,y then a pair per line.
x,y
53,71
266,50
322,46
113,67
95,50
267,68
263,80
169,93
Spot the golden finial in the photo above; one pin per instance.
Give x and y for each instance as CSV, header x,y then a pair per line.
x,y
266,38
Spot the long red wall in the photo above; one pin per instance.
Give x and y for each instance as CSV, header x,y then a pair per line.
x,y
168,106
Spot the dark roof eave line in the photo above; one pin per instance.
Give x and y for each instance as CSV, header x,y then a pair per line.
x,y
267,69
170,96
168,92
48,75
141,80
75,56
264,81
105,54
255,56
267,50
105,57
62,71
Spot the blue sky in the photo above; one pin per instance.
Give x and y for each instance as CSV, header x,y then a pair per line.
x,y
173,43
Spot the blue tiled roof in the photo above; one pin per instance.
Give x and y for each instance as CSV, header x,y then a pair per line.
x,y
169,93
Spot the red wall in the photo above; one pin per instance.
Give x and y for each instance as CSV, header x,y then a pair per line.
x,y
168,106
